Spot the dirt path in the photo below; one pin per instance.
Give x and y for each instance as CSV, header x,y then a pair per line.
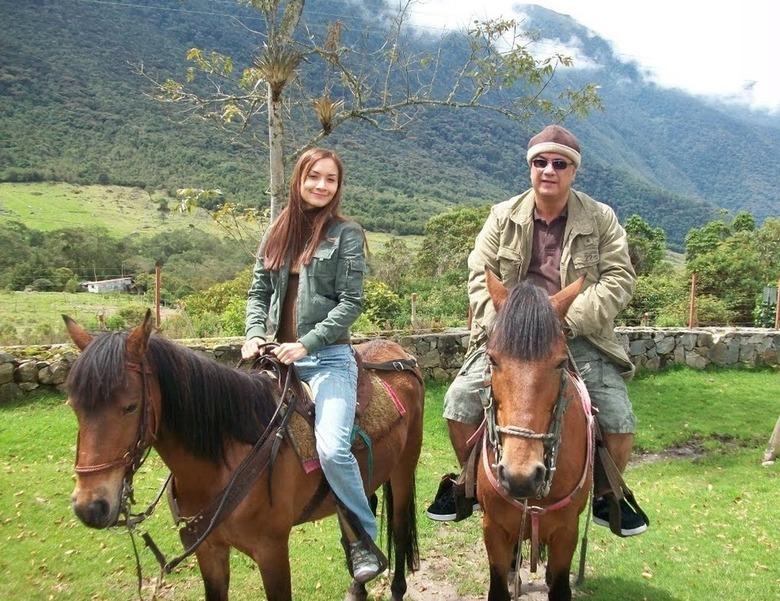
x,y
455,572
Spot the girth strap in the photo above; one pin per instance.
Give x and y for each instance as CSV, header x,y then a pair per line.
x,y
409,365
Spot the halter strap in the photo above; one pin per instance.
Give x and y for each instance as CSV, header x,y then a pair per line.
x,y
134,456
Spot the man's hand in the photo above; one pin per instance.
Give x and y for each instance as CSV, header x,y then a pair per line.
x,y
289,352
251,348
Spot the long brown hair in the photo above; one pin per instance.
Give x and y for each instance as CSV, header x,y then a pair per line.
x,y
289,233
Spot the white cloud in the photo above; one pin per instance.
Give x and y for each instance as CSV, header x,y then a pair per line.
x,y
704,48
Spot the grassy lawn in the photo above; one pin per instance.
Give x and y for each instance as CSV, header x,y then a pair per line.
x,y
36,316
122,211
714,519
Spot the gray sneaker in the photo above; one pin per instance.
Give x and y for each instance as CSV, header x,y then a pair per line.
x,y
365,565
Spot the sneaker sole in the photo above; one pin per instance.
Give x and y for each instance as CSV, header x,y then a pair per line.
x,y
441,517
631,532
447,517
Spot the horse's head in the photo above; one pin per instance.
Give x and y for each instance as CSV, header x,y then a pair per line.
x,y
527,355
111,390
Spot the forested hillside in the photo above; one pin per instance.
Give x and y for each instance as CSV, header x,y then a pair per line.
x,y
73,109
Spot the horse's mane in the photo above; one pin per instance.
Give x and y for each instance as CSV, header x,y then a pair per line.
x,y
527,325
204,403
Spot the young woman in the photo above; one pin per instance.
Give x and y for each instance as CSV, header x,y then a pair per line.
x,y
308,289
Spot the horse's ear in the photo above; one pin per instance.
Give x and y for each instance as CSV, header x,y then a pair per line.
x,y
563,299
496,289
80,337
138,339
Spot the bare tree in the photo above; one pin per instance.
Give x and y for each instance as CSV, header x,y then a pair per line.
x,y
372,76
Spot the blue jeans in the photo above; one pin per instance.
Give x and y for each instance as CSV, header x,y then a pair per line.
x,y
332,374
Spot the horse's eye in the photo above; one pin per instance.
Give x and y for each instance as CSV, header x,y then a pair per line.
x,y
562,364
492,360
128,409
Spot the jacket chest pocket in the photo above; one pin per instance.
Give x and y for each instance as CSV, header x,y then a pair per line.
x,y
585,256
324,268
509,263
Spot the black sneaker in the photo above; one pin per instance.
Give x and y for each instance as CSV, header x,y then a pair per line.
x,y
443,508
631,523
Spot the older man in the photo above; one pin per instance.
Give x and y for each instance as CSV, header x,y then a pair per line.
x,y
552,235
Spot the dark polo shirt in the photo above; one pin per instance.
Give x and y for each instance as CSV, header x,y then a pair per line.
x,y
544,269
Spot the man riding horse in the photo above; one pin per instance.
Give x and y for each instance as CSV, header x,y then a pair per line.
x,y
552,235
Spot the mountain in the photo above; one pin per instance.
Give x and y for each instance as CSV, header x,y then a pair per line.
x,y
669,138
73,109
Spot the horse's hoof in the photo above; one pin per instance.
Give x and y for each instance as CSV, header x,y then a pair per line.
x,y
356,592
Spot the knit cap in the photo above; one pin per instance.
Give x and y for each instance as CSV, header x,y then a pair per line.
x,y
555,138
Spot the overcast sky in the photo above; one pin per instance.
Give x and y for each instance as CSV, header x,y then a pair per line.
x,y
725,49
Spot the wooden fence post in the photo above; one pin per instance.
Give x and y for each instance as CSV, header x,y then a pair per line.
x,y
414,310
157,285
777,306
693,319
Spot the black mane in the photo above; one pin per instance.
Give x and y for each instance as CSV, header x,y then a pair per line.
x,y
527,326
204,403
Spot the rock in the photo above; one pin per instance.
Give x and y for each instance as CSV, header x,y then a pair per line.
x,y
695,360
53,374
28,386
9,392
664,344
27,372
6,372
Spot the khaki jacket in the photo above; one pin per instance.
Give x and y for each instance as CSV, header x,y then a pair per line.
x,y
594,245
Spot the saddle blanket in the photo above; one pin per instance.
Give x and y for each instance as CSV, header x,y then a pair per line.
x,y
384,410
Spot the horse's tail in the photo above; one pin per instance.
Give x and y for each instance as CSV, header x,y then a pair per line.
x,y
409,547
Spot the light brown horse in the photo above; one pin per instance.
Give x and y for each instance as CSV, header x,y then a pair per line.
x,y
134,390
535,472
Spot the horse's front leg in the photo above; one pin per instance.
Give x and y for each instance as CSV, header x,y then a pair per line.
x,y
561,546
272,556
214,564
499,545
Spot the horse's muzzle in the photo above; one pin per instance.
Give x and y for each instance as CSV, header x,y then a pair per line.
x,y
94,508
528,484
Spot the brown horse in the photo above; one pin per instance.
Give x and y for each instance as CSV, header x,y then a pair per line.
x,y
536,468
134,390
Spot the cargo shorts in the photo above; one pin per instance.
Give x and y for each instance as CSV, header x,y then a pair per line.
x,y
602,378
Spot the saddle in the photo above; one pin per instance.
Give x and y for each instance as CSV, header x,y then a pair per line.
x,y
377,410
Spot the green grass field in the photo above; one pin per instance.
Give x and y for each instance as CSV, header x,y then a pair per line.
x,y
714,528
122,211
35,317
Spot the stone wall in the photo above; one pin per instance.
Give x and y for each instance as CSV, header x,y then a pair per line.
x,y
23,369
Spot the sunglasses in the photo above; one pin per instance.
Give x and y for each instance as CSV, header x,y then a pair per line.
x,y
558,164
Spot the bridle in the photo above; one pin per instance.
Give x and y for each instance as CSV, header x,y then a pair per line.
x,y
135,455
550,439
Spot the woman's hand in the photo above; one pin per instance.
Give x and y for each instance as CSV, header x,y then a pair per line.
x,y
289,352
251,348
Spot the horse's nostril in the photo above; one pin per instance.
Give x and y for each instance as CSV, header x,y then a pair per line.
x,y
95,514
539,474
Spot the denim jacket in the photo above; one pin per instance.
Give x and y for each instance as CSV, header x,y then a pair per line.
x,y
330,290
594,245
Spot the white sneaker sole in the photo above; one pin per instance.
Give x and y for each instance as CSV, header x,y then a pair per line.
x,y
624,532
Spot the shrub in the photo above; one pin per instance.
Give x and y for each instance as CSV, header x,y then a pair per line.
x,y
710,311
43,285
115,322
233,318
764,314
380,304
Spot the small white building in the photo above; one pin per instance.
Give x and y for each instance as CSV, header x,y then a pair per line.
x,y
113,285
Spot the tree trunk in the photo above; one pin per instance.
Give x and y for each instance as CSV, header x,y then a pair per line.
x,y
276,153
